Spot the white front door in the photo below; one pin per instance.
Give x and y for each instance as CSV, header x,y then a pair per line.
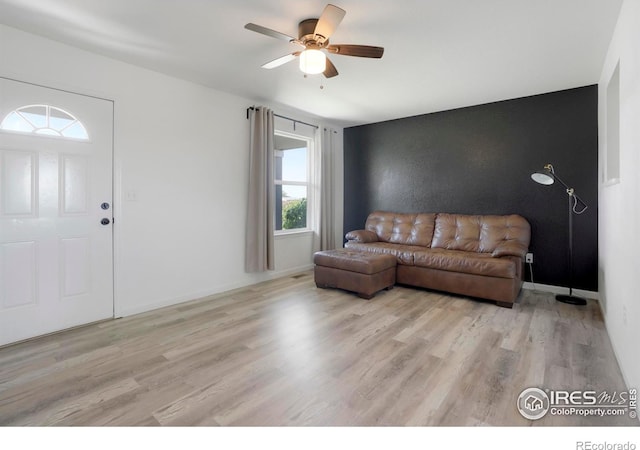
x,y
56,252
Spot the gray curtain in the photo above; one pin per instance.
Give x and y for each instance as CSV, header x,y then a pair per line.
x,y
327,218
261,205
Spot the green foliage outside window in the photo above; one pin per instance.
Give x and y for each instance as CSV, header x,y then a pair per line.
x,y
294,214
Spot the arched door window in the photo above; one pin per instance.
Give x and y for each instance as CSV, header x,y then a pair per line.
x,y
44,120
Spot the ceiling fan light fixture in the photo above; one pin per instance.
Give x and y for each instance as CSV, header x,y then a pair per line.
x,y
313,38
313,61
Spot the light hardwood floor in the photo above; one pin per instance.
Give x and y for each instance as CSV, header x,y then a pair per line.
x,y
286,353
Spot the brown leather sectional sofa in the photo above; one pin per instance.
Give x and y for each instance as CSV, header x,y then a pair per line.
x,y
476,256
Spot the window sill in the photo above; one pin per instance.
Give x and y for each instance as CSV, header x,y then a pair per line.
x,y
611,182
292,234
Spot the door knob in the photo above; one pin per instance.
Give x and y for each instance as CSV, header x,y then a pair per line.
x,y
105,221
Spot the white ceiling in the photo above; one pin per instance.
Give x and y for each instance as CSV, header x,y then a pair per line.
x,y
439,54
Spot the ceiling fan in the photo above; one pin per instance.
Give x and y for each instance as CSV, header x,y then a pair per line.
x,y
313,36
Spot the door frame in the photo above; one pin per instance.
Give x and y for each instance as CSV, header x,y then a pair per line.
x,y
116,171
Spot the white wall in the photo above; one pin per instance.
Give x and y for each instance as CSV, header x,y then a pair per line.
x,y
619,203
181,150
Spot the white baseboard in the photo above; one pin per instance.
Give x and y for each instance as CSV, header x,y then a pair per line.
x,y
266,276
560,290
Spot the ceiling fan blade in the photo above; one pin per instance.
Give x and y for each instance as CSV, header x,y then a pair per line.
x,y
364,51
329,21
269,32
330,71
280,61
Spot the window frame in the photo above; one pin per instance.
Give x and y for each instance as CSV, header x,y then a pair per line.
x,y
58,133
611,164
310,143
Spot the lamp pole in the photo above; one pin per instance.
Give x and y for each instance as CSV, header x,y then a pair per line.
x,y
570,298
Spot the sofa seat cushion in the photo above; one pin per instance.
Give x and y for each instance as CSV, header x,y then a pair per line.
x,y
403,253
466,262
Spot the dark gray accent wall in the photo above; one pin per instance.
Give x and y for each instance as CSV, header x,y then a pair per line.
x,y
478,160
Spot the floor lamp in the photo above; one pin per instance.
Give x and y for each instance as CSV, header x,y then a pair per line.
x,y
547,176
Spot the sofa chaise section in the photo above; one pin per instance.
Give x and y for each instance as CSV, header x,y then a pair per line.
x,y
473,255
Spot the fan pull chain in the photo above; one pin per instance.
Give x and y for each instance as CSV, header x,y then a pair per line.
x,y
321,84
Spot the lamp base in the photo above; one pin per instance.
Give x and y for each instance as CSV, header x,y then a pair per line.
x,y
570,299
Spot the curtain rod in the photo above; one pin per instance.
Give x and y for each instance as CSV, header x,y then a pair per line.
x,y
286,118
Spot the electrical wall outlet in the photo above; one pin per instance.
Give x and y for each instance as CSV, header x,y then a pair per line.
x,y
529,258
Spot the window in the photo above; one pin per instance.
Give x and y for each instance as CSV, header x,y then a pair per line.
x,y
292,162
44,120
612,152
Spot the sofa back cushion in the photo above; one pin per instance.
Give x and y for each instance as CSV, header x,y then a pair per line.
x,y
482,234
400,228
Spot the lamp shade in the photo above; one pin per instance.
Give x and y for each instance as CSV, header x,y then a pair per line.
x,y
313,61
543,177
